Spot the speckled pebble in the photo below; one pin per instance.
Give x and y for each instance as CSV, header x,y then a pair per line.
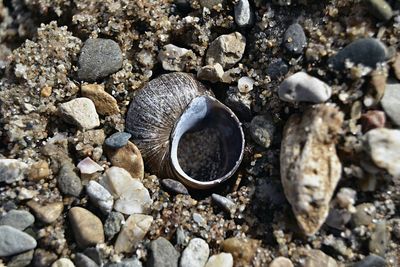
x,y
162,254
117,140
262,130
19,219
100,197
244,16
294,39
195,254
174,186
113,223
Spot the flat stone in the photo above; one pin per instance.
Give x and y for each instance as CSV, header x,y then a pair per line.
x,y
19,219
80,112
301,87
380,9
39,170
380,239
242,249
371,261
391,101
12,170
244,16
87,227
220,260
195,254
112,225
81,260
46,213
14,241
174,58
383,146
98,59
133,231
104,102
63,262
316,258
89,166
226,50
294,39
100,197
162,254
212,73
262,130
365,51
117,140
68,182
281,262
21,260
223,202
174,186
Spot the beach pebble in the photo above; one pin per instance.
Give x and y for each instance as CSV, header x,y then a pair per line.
x,y
316,258
239,103
100,197
391,101
117,140
132,262
396,65
301,87
224,203
43,258
39,170
371,261
88,166
372,119
19,219
12,170
80,112
380,9
104,102
262,130
63,262
242,249
81,260
113,223
162,254
294,39
281,262
346,197
46,213
195,254
244,16
21,260
87,227
174,186
212,73
14,241
68,182
98,59
364,214
277,68
174,58
380,239
220,260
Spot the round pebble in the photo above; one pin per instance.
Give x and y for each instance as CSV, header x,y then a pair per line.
x,y
162,254
294,39
46,213
63,262
244,16
380,9
68,182
117,140
14,241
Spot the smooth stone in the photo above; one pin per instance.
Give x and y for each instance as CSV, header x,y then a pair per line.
x,y
14,241
87,227
391,101
316,258
46,213
174,186
195,254
301,87
174,58
371,261
380,239
262,130
19,219
95,253
226,50
244,16
117,140
100,197
281,262
68,182
12,170
132,262
242,249
364,214
277,69
224,203
133,231
365,51
383,146
98,59
21,260
212,73
43,258
380,9
294,39
89,166
81,260
220,260
245,84
63,262
113,223
104,102
162,254
39,170
80,112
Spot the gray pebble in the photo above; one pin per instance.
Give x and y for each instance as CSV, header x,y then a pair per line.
x,y
277,69
244,16
100,197
371,261
12,170
162,254
174,186
21,260
98,59
365,51
225,203
364,214
14,241
380,9
133,262
379,239
81,260
195,254
95,254
19,219
112,225
391,101
68,182
262,130
294,39
117,140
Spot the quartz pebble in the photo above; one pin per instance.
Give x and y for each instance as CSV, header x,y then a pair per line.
x,y
174,186
380,9
281,262
242,249
118,140
212,73
68,182
19,219
162,254
113,223
12,170
391,101
105,104
174,58
100,197
98,59
262,130
294,39
88,166
195,254
244,16
46,213
14,241
301,87
80,112
133,231
223,202
63,262
220,260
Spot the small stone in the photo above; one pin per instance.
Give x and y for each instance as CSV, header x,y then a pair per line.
x,y
371,261
380,9
133,231
19,219
220,260
112,225
346,197
380,239
21,260
211,73
80,112
81,260
129,158
301,87
195,254
47,213
376,88
262,130
174,186
100,197
197,218
63,262
226,50
162,254
98,59
223,202
294,39
104,102
174,58
338,218
364,214
118,140
96,254
316,258
14,241
391,101
281,262
25,194
383,146
396,66
88,166
132,262
365,51
43,258
12,170
372,119
239,103
244,16
242,249
245,84
68,182
277,69
46,91
39,170
87,227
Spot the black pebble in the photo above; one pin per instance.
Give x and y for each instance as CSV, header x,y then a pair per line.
x,y
294,39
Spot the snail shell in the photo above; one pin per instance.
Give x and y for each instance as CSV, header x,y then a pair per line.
x,y
183,132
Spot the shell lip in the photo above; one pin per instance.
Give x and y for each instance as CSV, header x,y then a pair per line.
x,y
197,110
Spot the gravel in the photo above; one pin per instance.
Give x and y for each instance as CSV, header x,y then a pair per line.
x,y
80,112
68,182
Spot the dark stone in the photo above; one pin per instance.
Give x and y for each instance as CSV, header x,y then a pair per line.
x,y
81,260
277,69
294,39
21,260
162,254
112,225
68,182
133,262
239,103
43,258
371,261
173,186
117,140
94,254
262,130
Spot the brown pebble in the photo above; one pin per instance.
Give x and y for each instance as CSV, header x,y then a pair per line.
x,y
396,66
47,213
39,170
372,119
242,249
316,258
376,89
46,91
105,104
281,262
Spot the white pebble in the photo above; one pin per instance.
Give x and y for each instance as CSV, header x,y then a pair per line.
x,y
100,196
195,254
88,166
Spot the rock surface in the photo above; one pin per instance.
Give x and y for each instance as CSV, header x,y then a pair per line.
x,y
80,112
14,241
162,254
195,254
19,219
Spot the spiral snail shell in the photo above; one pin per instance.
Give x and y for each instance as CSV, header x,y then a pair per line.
x,y
183,132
